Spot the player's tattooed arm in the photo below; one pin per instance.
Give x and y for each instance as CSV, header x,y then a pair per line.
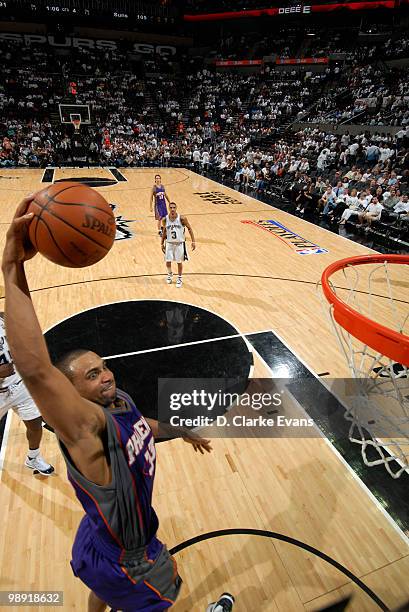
x,y
186,223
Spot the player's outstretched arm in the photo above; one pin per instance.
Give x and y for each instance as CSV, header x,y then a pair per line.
x,y
163,430
60,404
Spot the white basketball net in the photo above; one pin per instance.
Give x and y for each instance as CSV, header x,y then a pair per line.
x,y
378,407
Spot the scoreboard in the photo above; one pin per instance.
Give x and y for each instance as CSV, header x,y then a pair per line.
x,y
137,11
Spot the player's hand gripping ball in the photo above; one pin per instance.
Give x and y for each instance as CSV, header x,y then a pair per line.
x,y
73,225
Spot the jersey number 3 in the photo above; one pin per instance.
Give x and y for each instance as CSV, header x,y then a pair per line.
x,y
150,456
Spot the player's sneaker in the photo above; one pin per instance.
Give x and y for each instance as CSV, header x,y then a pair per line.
x,y
223,604
179,282
169,279
39,466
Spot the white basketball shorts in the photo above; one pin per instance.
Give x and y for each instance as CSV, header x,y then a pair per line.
x,y
18,398
176,252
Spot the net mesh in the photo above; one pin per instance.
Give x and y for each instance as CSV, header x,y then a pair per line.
x,y
378,405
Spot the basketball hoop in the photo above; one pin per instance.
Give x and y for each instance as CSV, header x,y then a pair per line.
x,y
77,124
370,317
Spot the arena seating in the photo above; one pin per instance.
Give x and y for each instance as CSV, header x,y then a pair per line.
x,y
170,113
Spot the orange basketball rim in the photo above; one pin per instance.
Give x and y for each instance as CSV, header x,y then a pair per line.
x,y
384,340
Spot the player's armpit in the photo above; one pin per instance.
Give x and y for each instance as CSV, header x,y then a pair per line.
x,y
62,407
89,457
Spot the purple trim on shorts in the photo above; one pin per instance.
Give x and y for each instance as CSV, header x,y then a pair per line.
x,y
160,210
108,580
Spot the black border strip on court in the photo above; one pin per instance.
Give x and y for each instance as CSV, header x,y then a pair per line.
x,y
2,427
118,175
318,402
48,175
283,538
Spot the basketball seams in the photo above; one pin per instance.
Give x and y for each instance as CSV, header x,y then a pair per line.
x,y
77,185
80,204
61,190
71,230
52,213
34,229
54,241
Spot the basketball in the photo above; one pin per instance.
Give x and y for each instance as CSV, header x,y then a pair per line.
x,y
73,225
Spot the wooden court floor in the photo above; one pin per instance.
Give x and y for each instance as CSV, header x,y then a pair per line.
x,y
296,487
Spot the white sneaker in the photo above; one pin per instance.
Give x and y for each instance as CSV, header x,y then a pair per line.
x,y
223,604
179,282
39,466
169,279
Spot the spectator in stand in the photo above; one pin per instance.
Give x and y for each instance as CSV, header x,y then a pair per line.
x,y
205,160
305,200
196,158
391,200
372,154
372,212
402,207
356,206
327,202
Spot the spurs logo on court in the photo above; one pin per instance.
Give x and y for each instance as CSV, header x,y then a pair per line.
x,y
294,241
217,197
123,231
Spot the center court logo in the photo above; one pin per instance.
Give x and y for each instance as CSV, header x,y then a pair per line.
x,y
294,241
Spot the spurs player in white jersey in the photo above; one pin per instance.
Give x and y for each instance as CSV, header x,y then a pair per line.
x,y
14,394
174,242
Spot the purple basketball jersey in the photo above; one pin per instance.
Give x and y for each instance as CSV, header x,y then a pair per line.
x,y
160,202
116,552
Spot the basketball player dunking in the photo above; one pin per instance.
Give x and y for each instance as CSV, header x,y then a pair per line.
x,y
158,199
174,242
109,450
